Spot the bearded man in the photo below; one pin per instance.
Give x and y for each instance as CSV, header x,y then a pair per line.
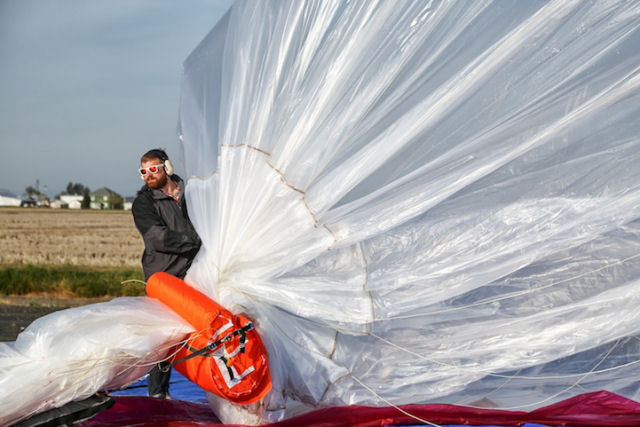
x,y
170,241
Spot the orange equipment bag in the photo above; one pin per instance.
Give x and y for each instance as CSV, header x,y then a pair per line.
x,y
225,355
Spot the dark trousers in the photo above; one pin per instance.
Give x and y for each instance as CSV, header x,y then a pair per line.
x,y
158,381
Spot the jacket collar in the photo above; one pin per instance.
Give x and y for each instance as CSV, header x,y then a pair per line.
x,y
159,194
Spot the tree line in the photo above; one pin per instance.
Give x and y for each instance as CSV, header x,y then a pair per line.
x,y
78,189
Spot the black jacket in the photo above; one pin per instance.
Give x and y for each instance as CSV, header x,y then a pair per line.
x,y
170,240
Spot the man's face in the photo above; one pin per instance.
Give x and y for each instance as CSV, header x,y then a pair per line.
x,y
154,180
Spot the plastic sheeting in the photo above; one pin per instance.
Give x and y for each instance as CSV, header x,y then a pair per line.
x,y
70,354
415,201
588,410
423,201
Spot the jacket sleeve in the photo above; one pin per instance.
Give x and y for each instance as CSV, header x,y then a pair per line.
x,y
155,233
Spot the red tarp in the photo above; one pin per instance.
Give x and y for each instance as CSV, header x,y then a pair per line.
x,y
591,409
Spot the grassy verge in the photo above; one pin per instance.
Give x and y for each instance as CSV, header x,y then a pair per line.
x,y
70,281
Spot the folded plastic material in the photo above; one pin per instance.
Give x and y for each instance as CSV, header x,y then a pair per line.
x,y
70,354
423,201
413,201
597,409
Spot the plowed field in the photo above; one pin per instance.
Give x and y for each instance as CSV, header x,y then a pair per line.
x,y
65,236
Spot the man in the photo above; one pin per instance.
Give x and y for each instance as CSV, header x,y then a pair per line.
x,y
170,241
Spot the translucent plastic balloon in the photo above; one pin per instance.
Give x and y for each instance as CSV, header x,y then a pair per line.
x,y
423,201
420,201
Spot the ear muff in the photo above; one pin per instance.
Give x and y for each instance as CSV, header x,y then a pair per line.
x,y
168,167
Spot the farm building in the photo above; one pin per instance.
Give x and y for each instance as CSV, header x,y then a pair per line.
x,y
128,203
7,198
105,198
72,201
58,204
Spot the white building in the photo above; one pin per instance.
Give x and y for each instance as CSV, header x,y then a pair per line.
x,y
7,198
73,201
128,203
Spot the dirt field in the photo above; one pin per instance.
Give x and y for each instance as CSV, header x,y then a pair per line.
x,y
61,236
64,236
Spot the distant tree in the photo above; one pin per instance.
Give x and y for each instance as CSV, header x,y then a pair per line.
x,y
86,199
76,188
32,192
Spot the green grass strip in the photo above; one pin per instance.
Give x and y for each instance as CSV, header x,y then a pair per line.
x,y
81,281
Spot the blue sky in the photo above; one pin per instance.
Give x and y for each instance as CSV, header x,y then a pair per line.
x,y
87,86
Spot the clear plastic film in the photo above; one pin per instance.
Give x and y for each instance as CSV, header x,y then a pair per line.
x,y
71,354
414,201
423,201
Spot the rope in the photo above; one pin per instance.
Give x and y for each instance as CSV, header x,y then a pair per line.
x,y
514,294
493,374
214,345
553,396
396,407
133,280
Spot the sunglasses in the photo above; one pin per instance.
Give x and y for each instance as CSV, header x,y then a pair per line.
x,y
151,169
